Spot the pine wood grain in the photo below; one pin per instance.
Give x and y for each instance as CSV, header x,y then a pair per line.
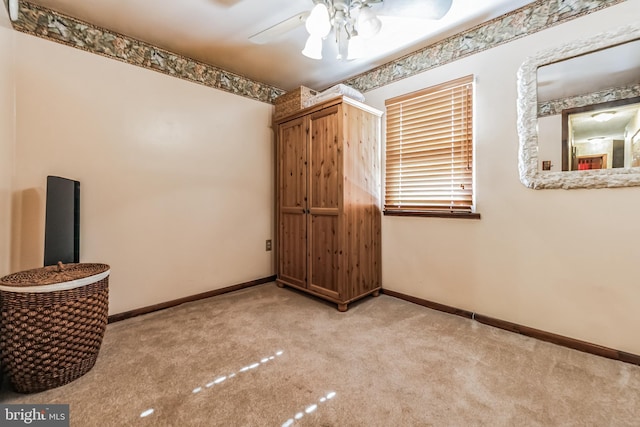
x,y
292,190
343,202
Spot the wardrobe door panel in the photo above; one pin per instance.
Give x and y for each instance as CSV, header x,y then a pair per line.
x,y
324,255
293,249
293,165
292,205
324,160
325,172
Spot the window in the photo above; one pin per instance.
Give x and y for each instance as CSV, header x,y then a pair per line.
x,y
429,151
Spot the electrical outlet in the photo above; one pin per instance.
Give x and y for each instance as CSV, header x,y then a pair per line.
x,y
268,246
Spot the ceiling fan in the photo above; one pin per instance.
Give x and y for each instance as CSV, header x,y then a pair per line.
x,y
351,21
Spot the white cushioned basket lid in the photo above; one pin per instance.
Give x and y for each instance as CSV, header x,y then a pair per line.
x,y
54,277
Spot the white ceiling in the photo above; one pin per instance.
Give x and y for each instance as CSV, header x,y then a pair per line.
x,y
585,127
616,66
217,32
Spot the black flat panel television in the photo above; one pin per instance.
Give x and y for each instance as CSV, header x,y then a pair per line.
x,y
62,223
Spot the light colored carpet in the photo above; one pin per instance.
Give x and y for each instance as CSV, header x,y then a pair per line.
x,y
261,356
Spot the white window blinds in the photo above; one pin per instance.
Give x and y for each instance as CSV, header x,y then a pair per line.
x,y
429,149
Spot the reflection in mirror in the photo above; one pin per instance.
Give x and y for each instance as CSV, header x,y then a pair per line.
x,y
601,136
559,92
579,85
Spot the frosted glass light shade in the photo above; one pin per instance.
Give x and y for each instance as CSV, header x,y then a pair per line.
x,y
368,24
318,23
14,10
313,47
356,47
604,116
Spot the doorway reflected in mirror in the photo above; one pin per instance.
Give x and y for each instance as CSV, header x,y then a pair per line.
x,y
601,136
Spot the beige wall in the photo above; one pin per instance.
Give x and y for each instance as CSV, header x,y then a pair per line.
x,y
176,178
549,138
7,136
528,260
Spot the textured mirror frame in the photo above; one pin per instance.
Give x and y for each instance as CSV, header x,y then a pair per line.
x,y
527,107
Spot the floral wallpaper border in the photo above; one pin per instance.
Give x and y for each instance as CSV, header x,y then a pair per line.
x,y
555,107
50,25
527,20
539,15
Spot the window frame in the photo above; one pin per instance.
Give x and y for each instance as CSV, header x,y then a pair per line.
x,y
464,210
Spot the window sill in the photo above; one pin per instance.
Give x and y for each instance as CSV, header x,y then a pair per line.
x,y
434,214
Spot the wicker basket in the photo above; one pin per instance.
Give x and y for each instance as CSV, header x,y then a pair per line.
x,y
52,324
292,101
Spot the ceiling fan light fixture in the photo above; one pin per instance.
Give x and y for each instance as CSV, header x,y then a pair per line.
x,y
313,47
14,10
368,24
356,47
354,19
605,116
318,23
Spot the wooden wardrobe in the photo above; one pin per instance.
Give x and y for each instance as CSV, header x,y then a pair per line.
x,y
328,201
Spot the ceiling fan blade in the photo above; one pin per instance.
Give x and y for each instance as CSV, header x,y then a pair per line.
x,y
279,29
425,9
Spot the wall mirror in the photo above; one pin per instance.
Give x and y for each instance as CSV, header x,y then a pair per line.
x,y
579,113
